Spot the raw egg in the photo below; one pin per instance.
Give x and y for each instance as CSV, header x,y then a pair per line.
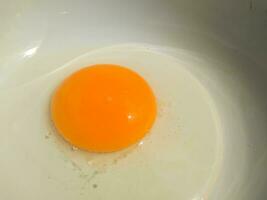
x,y
103,108
138,90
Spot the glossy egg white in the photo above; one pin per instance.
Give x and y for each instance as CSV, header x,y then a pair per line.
x,y
179,159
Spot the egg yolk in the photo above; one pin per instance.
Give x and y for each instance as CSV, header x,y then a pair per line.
x,y
103,108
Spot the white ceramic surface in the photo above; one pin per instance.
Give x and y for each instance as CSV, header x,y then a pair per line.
x,y
223,44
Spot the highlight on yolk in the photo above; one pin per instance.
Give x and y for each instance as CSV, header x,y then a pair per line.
x,y
103,108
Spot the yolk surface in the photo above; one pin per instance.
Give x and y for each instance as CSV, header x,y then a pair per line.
x,y
103,108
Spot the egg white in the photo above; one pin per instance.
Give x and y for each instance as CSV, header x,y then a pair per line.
x,y
179,159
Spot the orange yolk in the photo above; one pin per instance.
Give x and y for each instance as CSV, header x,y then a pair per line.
x,y
103,108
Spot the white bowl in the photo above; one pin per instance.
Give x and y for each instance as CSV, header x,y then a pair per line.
x,y
225,39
